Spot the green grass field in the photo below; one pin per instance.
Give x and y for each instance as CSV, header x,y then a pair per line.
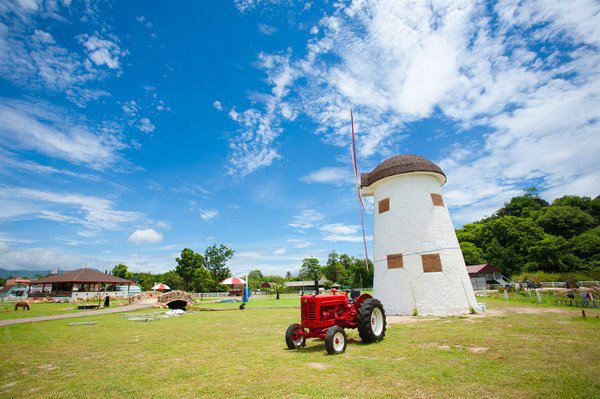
x,y
224,354
7,309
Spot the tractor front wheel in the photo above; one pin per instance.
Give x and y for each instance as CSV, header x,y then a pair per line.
x,y
371,321
293,339
335,340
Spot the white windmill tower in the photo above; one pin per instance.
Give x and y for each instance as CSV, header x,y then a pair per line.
x,y
417,258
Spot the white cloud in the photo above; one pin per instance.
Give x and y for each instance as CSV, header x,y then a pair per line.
x,y
332,175
102,51
32,57
50,131
299,243
130,108
91,212
145,236
209,214
267,29
217,104
339,232
145,125
306,219
280,251
522,75
47,259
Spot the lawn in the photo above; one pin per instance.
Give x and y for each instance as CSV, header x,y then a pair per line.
x,y
7,309
224,354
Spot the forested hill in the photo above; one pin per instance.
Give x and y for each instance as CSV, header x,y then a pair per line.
x,y
530,235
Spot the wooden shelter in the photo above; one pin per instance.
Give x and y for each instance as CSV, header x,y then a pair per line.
x,y
80,283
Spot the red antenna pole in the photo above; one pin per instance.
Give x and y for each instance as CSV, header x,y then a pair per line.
x,y
360,200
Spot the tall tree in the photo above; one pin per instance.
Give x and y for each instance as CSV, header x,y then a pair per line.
x,y
187,264
173,280
308,269
215,259
121,270
564,221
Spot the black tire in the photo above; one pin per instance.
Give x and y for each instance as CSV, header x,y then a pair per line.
x,y
366,326
331,346
289,337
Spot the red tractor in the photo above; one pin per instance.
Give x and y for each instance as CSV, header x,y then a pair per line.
x,y
326,315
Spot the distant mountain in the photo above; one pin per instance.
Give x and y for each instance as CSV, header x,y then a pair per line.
x,y
5,273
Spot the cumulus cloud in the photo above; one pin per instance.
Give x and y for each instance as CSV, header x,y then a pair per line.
x,y
145,125
32,57
145,236
102,51
520,77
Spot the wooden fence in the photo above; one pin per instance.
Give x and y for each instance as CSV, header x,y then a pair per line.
x,y
578,303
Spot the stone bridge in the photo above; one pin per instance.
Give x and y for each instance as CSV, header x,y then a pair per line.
x,y
176,299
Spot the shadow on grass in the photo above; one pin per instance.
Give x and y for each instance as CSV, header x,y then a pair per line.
x,y
318,345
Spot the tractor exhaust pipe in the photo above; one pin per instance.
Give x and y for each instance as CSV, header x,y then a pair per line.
x,y
316,283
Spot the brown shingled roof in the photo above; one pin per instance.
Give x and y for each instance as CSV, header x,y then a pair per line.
x,y
398,165
84,275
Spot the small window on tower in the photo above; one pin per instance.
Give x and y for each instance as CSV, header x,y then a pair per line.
x,y
431,263
384,205
437,200
395,261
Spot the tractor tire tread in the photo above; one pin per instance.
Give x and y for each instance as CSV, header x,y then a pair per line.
x,y
329,345
364,321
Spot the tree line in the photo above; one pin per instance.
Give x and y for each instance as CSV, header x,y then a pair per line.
x,y
530,235
194,271
527,234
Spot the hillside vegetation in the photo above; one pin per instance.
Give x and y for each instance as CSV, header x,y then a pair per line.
x,y
530,235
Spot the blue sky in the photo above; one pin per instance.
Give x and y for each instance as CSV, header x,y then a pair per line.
x,y
130,130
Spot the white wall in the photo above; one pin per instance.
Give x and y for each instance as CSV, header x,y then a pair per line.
x,y
414,226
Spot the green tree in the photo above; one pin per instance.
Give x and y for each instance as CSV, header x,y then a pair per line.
x,y
586,204
308,269
587,245
552,254
187,264
288,275
202,280
144,280
361,276
523,205
2,282
215,259
255,279
278,289
506,242
121,270
472,253
335,270
564,221
173,280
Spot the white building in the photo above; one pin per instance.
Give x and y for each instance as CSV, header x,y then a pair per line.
x,y
419,266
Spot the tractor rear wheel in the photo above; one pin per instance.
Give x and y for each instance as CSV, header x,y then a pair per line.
x,y
371,321
335,340
292,337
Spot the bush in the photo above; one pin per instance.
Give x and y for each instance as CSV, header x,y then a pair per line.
x,y
571,281
544,276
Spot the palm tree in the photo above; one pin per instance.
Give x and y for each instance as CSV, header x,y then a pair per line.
x,y
278,289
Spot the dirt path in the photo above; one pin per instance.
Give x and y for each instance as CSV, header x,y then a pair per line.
x,y
128,308
491,313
